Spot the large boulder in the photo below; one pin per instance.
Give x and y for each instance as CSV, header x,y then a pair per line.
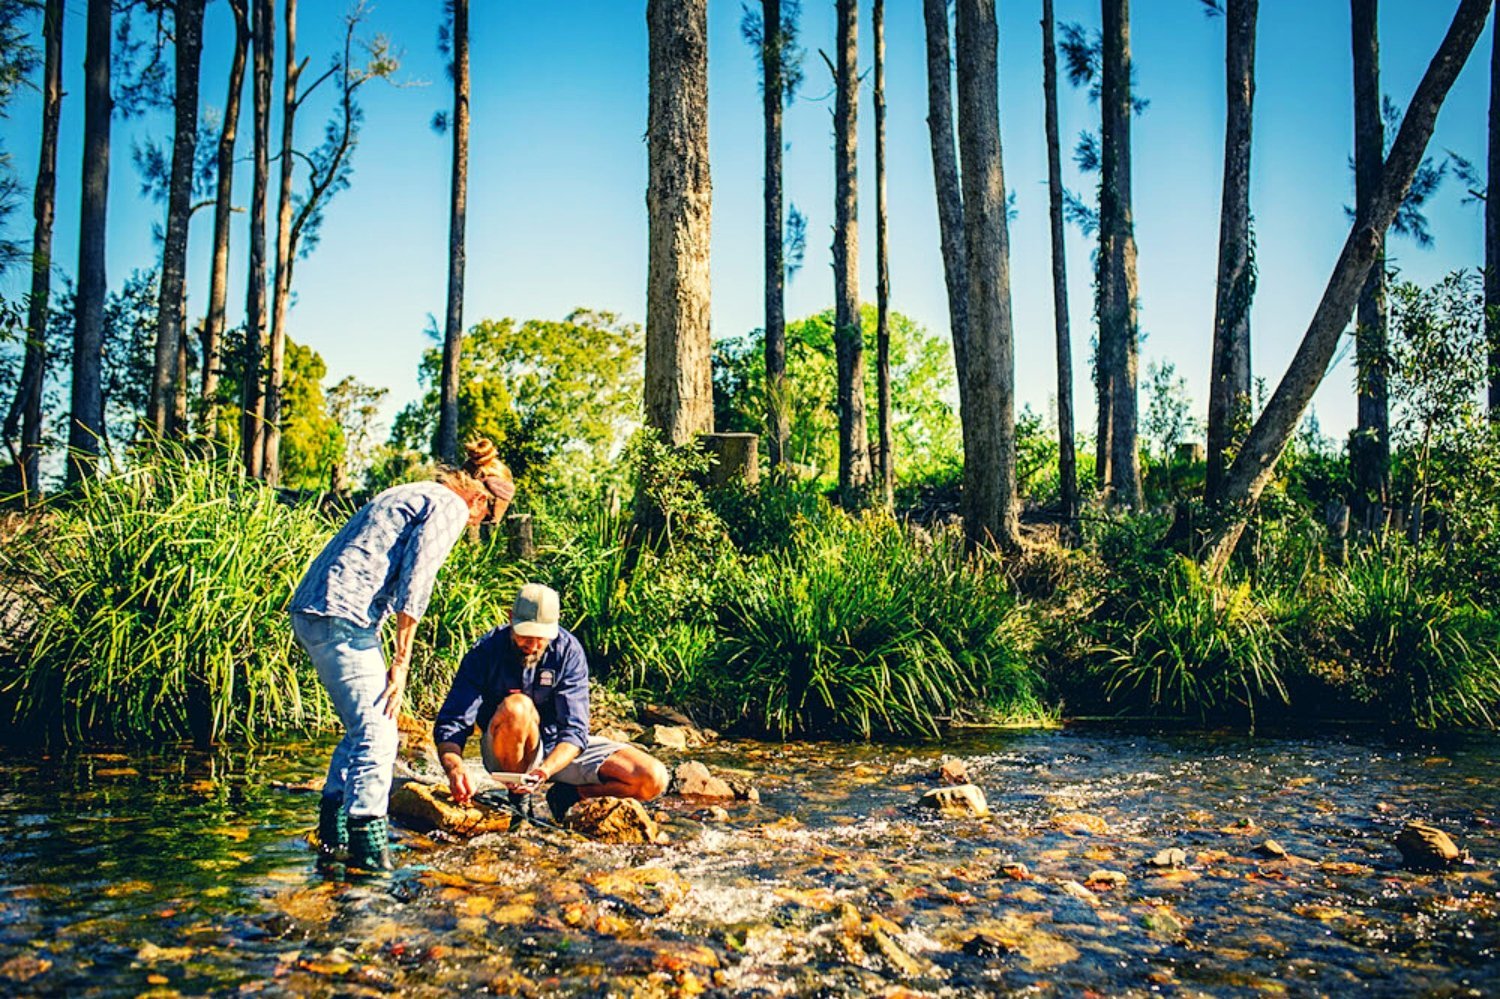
x,y
613,820
431,806
959,801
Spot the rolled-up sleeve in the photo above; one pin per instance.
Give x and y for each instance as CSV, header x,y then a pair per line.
x,y
425,555
460,710
572,697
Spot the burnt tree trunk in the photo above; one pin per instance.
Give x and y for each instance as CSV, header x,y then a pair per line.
x,y
1067,452
1229,379
989,492
25,414
282,294
885,467
218,282
166,389
777,423
1118,329
453,329
252,425
848,333
1257,457
1370,447
679,201
86,427
950,201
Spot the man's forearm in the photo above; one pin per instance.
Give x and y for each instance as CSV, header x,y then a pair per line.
x,y
562,754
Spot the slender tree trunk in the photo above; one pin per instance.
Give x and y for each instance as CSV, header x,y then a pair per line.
x,y
86,429
252,425
1370,447
989,496
25,413
161,408
848,334
1067,452
453,330
886,466
1229,380
1118,328
1492,233
1257,457
218,282
282,297
679,200
950,201
772,44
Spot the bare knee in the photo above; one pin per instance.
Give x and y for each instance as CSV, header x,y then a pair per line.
x,y
654,779
516,712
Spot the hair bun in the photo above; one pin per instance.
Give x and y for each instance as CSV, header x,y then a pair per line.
x,y
480,455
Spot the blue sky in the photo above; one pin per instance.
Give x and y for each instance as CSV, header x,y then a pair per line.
x,y
558,177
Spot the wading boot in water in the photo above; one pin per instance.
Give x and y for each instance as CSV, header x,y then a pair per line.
x,y
369,844
333,829
560,798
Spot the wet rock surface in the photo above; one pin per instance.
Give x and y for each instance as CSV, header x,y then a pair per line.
x,y
426,807
189,875
960,801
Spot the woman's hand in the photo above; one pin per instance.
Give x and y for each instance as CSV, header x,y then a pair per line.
x,y
395,687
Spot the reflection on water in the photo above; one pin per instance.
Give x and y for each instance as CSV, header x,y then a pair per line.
x,y
187,873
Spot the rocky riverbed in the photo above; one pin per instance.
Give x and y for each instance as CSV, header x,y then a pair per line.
x,y
1124,864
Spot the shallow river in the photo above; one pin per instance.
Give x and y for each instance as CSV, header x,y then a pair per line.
x,y
184,873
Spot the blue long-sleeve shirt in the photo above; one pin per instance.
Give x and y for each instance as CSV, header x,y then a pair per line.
x,y
558,685
386,558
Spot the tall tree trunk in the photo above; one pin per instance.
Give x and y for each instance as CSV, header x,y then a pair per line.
x,y
281,300
1257,457
950,201
86,429
1370,447
25,412
1229,379
1492,233
848,334
252,425
1067,453
453,330
218,282
1118,327
679,202
772,44
886,466
161,407
989,496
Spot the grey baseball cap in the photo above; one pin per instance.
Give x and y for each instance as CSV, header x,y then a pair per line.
x,y
536,612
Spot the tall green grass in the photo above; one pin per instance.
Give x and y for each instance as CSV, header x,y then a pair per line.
x,y
151,605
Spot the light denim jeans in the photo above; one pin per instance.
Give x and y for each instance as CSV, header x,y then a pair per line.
x,y
352,667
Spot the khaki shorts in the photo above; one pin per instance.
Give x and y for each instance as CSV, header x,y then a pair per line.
x,y
583,770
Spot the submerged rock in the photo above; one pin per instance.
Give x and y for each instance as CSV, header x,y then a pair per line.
x,y
958,802
1170,857
1081,823
613,820
1273,849
1426,847
1105,880
694,780
431,806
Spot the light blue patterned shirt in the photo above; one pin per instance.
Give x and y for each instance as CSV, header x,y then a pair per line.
x,y
386,558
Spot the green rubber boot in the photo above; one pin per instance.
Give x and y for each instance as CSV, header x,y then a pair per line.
x,y
333,828
370,844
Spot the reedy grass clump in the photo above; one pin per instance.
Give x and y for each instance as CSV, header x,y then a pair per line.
x,y
151,605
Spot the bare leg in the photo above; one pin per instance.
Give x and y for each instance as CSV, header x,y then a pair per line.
x,y
628,773
514,734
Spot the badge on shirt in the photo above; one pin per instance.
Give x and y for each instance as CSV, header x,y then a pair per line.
x,y
545,678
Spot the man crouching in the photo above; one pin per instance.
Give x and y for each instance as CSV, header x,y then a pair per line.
x,y
526,686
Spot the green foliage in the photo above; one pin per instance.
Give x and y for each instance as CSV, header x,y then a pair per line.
x,y
1407,646
539,389
151,605
923,393
1194,645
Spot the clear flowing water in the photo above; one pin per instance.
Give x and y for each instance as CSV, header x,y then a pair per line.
x,y
184,873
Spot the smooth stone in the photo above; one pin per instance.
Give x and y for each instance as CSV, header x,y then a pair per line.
x,y
958,802
1170,857
1426,847
694,780
953,771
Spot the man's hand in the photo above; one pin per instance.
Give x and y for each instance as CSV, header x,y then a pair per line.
x,y
534,779
459,783
395,687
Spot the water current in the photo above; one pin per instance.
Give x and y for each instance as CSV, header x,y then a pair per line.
x,y
185,873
